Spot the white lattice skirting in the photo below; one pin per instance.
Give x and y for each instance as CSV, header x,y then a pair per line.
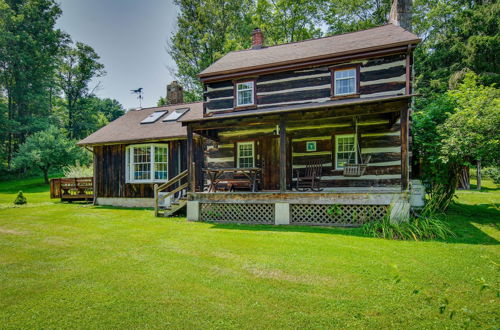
x,y
295,214
337,215
240,213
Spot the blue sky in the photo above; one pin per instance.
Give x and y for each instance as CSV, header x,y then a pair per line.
x,y
131,37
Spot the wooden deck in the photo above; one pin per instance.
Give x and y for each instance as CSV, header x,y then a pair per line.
x,y
72,189
344,196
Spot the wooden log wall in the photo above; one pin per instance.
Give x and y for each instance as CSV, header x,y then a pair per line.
x,y
110,170
378,135
378,77
378,138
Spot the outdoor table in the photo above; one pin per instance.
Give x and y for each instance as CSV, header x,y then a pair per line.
x,y
214,175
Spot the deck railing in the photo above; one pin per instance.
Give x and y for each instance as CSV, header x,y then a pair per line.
x,y
72,189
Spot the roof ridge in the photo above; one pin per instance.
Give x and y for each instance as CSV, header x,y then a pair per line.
x,y
312,39
167,106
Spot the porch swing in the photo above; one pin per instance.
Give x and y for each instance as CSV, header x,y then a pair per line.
x,y
356,169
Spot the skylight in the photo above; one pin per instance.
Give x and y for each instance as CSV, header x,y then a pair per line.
x,y
176,114
153,117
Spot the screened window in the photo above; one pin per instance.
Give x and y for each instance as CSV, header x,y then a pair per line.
x,y
246,151
147,163
345,150
244,93
345,82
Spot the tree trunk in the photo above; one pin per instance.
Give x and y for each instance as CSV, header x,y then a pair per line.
x,y
46,175
478,175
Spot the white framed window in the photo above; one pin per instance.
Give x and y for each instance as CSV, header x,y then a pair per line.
x,y
345,150
246,154
344,81
147,163
245,93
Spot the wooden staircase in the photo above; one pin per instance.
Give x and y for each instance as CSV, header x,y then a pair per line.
x,y
178,202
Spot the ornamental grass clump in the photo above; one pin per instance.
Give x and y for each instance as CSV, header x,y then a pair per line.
x,y
426,227
20,199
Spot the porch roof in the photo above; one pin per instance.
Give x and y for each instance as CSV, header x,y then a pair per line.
x,y
128,128
297,107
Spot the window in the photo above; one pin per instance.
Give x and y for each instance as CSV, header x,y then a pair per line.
x,y
345,150
344,81
147,163
176,114
246,154
153,117
244,93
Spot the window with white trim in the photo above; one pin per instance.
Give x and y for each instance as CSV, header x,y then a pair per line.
x,y
246,153
344,81
244,93
345,150
147,163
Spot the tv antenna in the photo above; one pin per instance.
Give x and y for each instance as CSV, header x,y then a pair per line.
x,y
140,93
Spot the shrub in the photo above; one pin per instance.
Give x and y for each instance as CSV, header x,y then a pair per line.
x,y
493,173
78,170
20,199
422,228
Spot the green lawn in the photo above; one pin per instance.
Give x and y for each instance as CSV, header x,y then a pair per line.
x,y
79,266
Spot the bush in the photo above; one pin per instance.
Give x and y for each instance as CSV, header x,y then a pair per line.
x,y
20,199
78,171
493,173
422,228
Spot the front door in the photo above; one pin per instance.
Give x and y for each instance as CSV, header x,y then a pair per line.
x,y
270,157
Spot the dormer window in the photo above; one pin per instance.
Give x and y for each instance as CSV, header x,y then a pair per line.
x,y
245,93
345,81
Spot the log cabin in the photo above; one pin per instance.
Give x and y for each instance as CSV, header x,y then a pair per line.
x,y
314,132
141,149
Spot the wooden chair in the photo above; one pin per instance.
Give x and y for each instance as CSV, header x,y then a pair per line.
x,y
312,178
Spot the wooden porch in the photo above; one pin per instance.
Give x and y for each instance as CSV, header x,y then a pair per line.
x,y
282,158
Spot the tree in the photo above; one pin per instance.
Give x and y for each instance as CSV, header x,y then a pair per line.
x,y
440,175
46,150
458,35
343,16
472,130
206,30
29,44
287,20
78,66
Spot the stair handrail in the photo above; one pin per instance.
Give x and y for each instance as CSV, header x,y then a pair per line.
x,y
175,179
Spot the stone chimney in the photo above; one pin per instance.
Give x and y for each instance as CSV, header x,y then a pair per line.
x,y
401,12
175,93
257,38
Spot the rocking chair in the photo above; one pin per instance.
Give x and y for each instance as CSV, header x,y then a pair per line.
x,y
312,178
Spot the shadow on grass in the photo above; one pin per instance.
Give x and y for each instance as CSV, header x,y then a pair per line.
x,y
106,207
473,188
464,219
350,231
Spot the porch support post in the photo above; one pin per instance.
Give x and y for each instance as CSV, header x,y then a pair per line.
x,y
190,154
405,161
282,154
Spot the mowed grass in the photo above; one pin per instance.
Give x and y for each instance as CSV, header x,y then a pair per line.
x,y
80,266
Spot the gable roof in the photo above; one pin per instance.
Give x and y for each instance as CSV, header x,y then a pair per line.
x,y
384,36
128,128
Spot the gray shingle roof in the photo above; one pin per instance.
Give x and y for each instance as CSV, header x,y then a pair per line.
x,y
128,128
343,44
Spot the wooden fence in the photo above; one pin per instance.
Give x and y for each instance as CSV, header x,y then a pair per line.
x,y
72,189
